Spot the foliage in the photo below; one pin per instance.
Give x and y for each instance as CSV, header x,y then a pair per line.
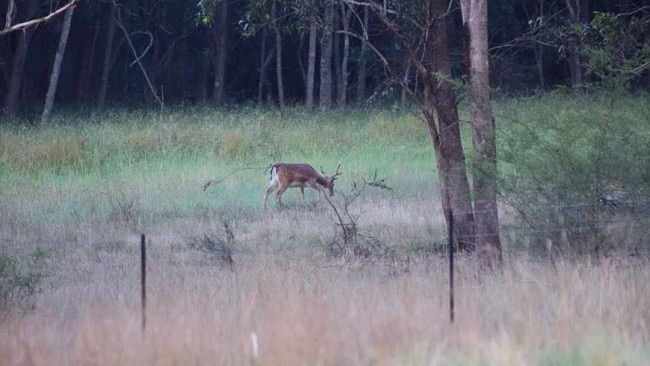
x,y
616,47
575,169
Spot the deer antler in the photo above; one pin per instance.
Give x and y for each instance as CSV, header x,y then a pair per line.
x,y
336,173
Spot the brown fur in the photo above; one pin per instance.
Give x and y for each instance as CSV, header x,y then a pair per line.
x,y
298,176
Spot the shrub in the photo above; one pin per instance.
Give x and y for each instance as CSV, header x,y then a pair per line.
x,y
18,286
219,246
575,170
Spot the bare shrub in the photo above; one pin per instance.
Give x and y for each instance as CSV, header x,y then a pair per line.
x,y
350,241
218,245
124,210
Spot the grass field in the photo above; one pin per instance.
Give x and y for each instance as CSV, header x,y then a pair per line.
x,y
75,197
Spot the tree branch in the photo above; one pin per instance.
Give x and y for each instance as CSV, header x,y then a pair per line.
x,y
33,22
118,21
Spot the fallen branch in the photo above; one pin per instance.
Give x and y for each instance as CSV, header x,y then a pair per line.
x,y
217,181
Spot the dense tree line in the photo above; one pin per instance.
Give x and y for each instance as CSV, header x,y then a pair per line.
x,y
311,52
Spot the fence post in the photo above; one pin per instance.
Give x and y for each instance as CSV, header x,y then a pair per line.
x,y
143,279
451,266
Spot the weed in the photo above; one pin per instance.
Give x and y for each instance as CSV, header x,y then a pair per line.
x,y
17,285
219,246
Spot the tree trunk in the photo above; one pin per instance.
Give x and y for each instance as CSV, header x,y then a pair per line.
x,y
88,61
186,77
204,73
342,94
485,198
12,99
278,53
539,54
361,75
262,68
56,68
441,115
108,56
221,42
325,95
579,12
311,64
405,80
157,53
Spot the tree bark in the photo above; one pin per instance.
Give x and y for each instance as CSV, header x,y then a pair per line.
x,y
262,67
278,53
88,61
361,74
12,99
405,80
485,168
311,64
221,42
56,68
579,12
442,118
342,94
325,92
204,75
108,56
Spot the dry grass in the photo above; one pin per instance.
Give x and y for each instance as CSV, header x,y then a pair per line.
x,y
313,311
305,308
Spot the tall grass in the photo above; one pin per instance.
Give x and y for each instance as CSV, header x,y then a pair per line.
x,y
83,190
310,312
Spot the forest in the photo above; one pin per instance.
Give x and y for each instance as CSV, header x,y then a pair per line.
x,y
330,54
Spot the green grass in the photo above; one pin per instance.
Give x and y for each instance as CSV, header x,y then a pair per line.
x,y
84,189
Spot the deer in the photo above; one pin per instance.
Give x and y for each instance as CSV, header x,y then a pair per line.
x,y
284,176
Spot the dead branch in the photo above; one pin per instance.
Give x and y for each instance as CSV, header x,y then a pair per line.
x,y
120,24
11,11
233,172
34,22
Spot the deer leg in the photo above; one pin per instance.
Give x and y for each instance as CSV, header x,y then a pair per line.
x,y
302,193
279,194
268,192
317,187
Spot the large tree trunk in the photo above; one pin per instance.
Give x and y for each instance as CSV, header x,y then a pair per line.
x,y
12,99
311,64
361,74
441,115
485,198
325,95
221,42
56,68
108,56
